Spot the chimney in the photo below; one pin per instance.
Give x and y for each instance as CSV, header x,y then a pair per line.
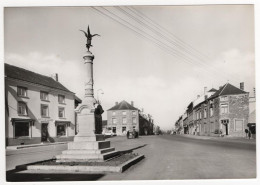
x,y
56,77
242,86
132,103
116,103
198,96
142,109
205,90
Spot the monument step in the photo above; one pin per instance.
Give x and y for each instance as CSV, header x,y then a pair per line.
x,y
88,145
85,157
101,151
81,138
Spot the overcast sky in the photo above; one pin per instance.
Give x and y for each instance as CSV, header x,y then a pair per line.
x,y
215,46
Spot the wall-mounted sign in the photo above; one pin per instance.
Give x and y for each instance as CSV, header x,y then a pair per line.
x,y
44,119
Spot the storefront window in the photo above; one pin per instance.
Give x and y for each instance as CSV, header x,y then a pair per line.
x,y
61,130
21,129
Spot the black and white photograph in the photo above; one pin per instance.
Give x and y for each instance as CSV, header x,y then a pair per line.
x,y
129,92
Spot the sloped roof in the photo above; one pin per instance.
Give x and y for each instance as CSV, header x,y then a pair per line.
x,y
32,77
212,90
123,105
78,99
227,89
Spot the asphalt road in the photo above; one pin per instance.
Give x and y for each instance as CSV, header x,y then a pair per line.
x,y
170,157
32,154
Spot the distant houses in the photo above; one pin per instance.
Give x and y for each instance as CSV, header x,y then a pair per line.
x,y
123,117
38,108
217,112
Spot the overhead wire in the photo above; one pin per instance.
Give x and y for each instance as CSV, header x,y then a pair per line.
x,y
177,42
149,37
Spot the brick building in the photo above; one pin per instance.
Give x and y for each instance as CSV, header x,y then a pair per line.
x,y
37,108
124,116
225,110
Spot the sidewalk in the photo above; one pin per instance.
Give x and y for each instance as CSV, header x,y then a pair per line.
x,y
32,145
224,139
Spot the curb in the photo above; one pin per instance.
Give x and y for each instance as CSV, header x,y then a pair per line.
x,y
32,146
121,168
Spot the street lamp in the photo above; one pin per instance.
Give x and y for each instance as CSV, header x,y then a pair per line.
x,y
102,92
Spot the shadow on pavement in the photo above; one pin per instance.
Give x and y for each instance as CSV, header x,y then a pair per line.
x,y
19,176
131,150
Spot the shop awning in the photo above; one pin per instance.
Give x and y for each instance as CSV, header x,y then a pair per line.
x,y
62,122
251,124
17,120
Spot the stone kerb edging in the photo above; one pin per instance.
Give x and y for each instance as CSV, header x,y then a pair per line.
x,y
121,168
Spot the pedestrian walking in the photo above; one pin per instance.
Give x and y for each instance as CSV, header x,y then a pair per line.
x,y
246,131
249,134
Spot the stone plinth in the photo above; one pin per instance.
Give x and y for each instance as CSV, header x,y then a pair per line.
x,y
87,145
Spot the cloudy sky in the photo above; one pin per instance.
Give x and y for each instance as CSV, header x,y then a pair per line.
x,y
160,57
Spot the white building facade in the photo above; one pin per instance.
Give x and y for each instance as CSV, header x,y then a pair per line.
x,y
37,108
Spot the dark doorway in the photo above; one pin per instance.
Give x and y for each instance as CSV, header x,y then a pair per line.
x,y
44,132
226,129
114,129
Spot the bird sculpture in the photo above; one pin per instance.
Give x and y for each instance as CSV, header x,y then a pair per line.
x,y
89,38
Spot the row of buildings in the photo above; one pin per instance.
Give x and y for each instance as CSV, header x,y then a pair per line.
x,y
40,109
226,111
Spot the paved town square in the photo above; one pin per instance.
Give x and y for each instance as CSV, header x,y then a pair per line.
x,y
120,93
183,158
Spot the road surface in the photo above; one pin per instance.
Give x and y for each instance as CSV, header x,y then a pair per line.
x,y
171,157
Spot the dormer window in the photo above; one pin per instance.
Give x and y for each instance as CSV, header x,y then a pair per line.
x,y
61,99
22,91
44,96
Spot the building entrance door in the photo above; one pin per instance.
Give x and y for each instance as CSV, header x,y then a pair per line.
x,y
114,129
226,129
44,132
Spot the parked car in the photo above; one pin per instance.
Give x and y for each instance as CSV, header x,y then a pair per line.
x,y
109,133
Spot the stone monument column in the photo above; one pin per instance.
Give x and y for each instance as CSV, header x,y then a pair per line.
x,y
87,145
85,110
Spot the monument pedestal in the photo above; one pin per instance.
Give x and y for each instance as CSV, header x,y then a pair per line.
x,y
87,145
93,148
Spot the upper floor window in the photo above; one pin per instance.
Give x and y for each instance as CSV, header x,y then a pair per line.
x,y
44,96
224,98
61,98
124,121
134,113
205,113
224,108
134,120
44,110
22,91
211,111
22,108
61,112
114,113
114,120
124,113
200,115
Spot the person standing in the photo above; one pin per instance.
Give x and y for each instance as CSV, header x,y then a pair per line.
x,y
249,134
246,131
